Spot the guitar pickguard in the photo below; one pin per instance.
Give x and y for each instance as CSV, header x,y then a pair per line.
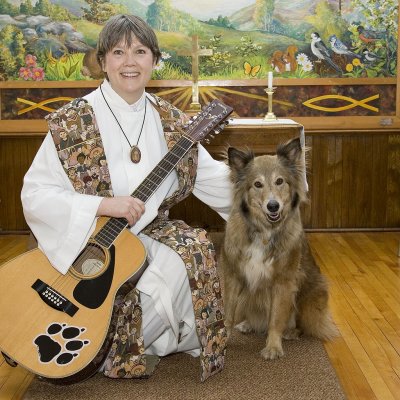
x,y
91,293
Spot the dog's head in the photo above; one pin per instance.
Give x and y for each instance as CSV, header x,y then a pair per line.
x,y
268,187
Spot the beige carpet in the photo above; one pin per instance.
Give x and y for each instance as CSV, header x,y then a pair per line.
x,y
304,373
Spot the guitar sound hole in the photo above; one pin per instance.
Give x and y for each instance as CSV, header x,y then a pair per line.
x,y
90,261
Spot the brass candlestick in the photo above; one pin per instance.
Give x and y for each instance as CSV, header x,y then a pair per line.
x,y
270,115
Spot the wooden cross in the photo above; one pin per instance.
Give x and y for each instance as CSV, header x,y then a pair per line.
x,y
195,54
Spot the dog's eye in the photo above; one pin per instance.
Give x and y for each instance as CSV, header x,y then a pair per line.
x,y
279,181
258,184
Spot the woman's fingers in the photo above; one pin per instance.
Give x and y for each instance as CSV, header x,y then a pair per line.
x,y
122,207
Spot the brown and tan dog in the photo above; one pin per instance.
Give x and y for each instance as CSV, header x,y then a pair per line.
x,y
272,283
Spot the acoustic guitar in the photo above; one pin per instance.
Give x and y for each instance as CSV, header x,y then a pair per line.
x,y
54,325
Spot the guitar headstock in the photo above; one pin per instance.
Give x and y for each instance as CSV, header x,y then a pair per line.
x,y
212,118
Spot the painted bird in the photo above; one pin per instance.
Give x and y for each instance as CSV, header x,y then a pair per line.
x,y
369,36
368,57
340,48
322,52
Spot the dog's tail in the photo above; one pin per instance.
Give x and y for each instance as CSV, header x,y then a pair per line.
x,y
315,318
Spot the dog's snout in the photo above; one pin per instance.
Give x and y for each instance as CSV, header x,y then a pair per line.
x,y
273,206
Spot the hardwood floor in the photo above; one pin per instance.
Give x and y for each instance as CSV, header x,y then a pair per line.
x,y
364,274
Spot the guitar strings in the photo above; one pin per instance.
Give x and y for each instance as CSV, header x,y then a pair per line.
x,y
109,231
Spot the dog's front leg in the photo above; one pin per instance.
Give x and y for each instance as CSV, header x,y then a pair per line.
x,y
233,288
281,308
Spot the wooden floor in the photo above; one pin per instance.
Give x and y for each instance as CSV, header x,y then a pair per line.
x,y
364,274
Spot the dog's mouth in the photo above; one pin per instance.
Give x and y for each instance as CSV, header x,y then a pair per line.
x,y
273,217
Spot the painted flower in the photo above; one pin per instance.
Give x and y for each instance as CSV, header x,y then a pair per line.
x,y
349,67
30,60
307,66
38,74
302,59
25,73
356,62
159,66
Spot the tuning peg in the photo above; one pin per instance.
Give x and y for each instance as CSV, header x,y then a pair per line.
x,y
207,141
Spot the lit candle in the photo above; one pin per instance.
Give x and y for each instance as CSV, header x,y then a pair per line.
x,y
269,79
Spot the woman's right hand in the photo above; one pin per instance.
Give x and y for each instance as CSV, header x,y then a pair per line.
x,y
127,207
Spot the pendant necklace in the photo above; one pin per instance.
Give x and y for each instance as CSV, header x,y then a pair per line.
x,y
135,153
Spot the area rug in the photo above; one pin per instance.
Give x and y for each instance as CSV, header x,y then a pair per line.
x,y
303,373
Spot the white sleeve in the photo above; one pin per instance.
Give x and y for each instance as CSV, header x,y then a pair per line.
x,y
213,185
60,218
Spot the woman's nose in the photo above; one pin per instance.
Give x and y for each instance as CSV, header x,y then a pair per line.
x,y
130,58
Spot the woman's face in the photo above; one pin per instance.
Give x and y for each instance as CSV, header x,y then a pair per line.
x,y
129,69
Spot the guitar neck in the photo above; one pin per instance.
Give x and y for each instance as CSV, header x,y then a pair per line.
x,y
114,226
153,181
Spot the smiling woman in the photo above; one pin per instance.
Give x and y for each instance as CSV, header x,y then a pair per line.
x,y
115,141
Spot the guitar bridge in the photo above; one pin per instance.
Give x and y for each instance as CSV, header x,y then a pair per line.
x,y
54,299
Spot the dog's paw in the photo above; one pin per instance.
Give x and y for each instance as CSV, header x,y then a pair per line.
x,y
292,334
272,353
244,327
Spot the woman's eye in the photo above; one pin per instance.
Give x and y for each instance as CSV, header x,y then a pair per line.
x,y
279,181
258,184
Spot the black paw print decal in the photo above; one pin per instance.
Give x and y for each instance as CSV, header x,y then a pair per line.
x,y
60,343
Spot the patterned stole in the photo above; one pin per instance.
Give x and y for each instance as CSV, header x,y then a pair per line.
x,y
75,131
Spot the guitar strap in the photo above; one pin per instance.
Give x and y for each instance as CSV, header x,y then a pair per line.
x,y
125,337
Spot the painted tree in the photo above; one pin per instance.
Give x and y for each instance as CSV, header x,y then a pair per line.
x,y
101,10
12,51
383,20
159,14
8,8
26,7
163,17
263,13
326,21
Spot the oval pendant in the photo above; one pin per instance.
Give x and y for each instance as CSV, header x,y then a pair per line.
x,y
136,155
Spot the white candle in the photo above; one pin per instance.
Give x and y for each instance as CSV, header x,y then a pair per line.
x,y
269,79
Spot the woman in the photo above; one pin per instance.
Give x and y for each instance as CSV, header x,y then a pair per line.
x,y
137,130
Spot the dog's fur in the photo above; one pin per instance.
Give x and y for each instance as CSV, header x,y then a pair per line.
x,y
272,283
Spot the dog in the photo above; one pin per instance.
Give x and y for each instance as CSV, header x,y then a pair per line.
x,y
272,283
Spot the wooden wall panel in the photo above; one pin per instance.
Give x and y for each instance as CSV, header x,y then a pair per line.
x,y
16,155
379,180
354,178
393,182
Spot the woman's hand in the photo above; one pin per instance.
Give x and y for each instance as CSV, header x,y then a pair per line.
x,y
126,207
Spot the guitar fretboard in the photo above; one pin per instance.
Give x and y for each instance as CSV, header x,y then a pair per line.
x,y
114,226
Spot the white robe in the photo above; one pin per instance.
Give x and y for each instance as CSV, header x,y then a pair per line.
x,y
62,220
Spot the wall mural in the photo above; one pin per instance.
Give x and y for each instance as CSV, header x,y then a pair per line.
x,y
54,40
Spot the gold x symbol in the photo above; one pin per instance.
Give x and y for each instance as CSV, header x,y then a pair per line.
x,y
41,104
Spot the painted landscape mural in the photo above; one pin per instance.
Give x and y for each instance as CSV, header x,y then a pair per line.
x,y
55,40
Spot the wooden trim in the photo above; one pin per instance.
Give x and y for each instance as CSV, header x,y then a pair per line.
x,y
346,125
204,83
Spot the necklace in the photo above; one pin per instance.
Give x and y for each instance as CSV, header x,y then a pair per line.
x,y
136,154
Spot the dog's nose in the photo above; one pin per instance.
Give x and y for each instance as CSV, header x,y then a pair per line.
x,y
273,206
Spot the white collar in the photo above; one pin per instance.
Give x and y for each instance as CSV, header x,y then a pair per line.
x,y
116,101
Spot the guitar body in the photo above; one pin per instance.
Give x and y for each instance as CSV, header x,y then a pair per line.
x,y
54,325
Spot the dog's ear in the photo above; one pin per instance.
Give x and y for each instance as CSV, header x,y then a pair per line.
x,y
239,159
290,151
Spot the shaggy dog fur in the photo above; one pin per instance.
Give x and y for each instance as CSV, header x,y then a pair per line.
x,y
272,283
